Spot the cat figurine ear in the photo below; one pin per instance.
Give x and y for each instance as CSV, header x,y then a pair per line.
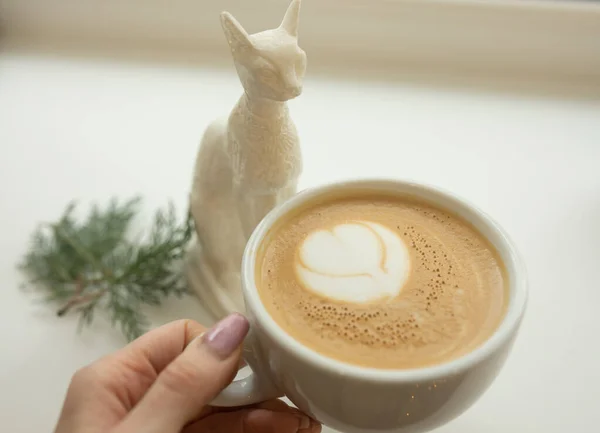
x,y
291,18
237,37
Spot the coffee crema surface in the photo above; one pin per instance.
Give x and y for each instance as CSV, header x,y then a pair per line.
x,y
381,281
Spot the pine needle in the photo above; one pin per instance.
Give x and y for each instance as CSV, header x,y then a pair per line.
x,y
94,265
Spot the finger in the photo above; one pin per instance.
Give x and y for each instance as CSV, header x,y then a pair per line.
x,y
112,385
253,421
261,423
278,405
161,346
127,374
191,381
274,405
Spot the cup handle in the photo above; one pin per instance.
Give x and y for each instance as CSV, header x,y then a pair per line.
x,y
242,392
252,389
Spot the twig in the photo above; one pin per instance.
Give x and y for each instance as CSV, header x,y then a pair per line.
x,y
80,299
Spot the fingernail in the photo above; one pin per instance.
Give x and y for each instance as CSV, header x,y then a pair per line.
x,y
315,427
309,427
225,336
304,422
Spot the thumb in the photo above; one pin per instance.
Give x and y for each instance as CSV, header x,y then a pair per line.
x,y
206,366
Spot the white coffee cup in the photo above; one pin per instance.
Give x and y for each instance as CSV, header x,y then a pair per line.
x,y
356,399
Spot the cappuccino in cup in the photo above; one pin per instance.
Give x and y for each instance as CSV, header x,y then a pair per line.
x,y
377,306
381,280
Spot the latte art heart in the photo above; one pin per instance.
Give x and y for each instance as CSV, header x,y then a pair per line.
x,y
359,262
381,281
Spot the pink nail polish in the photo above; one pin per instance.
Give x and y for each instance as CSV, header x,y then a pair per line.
x,y
225,336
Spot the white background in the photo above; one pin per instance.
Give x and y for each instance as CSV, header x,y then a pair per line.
x,y
93,130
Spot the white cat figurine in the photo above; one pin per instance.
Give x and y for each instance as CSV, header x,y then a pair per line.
x,y
247,163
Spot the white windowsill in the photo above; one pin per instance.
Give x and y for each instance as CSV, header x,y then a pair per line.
x,y
461,40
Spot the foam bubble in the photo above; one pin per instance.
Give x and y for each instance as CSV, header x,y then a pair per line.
x,y
357,262
446,306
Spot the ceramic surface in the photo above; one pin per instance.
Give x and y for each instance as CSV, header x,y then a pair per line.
x,y
247,163
365,400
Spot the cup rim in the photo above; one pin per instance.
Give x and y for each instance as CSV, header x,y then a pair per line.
x,y
515,268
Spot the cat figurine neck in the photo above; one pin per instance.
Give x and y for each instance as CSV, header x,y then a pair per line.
x,y
247,163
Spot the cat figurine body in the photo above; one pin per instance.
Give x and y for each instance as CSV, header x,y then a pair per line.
x,y
248,163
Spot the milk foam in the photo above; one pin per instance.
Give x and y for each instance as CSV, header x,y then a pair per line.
x,y
356,262
442,288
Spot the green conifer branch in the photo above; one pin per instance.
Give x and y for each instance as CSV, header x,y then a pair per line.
x,y
95,265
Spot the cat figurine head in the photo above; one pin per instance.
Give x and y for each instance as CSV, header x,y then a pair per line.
x,y
270,64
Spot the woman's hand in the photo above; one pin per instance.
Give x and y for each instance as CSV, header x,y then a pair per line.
x,y
164,381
